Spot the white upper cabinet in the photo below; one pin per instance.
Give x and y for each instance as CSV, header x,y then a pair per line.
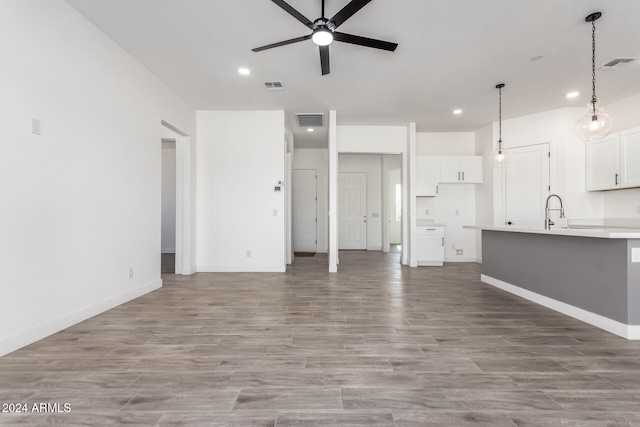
x,y
603,164
630,156
614,162
461,169
427,175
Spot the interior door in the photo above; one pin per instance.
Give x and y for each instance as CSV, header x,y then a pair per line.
x,y
527,185
352,210
304,210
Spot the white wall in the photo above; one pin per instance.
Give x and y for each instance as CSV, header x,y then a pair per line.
x,y
455,204
445,143
168,183
81,201
484,192
568,162
372,139
317,159
241,157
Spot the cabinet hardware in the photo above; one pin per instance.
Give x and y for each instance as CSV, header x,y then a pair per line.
x,y
458,176
443,241
616,179
463,175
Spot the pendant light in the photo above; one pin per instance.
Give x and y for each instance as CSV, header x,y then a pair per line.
x,y
595,124
499,155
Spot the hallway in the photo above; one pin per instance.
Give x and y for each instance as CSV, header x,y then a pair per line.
x,y
376,344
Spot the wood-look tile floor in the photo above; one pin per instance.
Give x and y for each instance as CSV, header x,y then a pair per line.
x,y
376,344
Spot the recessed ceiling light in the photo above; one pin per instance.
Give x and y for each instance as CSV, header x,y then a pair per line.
x,y
458,111
310,129
244,71
573,94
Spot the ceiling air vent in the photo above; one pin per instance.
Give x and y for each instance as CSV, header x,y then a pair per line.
x,y
310,120
617,63
275,85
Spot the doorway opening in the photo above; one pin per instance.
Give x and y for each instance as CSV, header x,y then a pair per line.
x,y
169,207
304,212
176,205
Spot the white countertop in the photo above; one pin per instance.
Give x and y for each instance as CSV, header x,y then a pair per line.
x,y
602,233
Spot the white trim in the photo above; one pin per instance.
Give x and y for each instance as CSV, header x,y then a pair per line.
x,y
241,269
51,326
168,250
630,332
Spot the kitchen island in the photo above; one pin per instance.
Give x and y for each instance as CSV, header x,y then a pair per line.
x,y
590,274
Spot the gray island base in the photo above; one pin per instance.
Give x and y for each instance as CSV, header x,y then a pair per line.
x,y
593,279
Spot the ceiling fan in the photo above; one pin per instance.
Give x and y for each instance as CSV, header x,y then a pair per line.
x,y
324,31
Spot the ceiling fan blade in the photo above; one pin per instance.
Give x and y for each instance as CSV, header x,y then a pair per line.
x,y
324,59
364,41
348,11
291,11
282,43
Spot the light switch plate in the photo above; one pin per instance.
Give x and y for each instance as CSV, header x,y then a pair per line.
x,y
35,126
635,254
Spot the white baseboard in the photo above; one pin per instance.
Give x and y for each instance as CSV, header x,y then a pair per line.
x,y
168,250
630,332
51,326
460,259
241,269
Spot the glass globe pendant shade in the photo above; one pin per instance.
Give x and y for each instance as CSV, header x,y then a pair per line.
x,y
322,37
594,125
499,157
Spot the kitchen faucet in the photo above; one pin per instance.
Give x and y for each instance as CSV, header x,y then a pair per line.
x,y
547,221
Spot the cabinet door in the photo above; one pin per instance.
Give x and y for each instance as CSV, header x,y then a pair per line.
x,y
450,169
603,164
630,152
471,168
427,175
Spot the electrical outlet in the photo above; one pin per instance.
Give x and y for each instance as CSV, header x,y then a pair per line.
x,y
459,251
130,272
453,246
248,254
457,212
426,212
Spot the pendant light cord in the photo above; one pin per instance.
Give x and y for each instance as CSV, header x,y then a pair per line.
x,y
500,117
593,65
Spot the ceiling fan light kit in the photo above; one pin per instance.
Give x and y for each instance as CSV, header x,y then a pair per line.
x,y
595,124
324,31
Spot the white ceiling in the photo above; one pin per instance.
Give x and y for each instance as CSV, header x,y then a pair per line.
x,y
451,54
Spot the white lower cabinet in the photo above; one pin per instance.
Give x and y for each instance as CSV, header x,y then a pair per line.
x,y
430,245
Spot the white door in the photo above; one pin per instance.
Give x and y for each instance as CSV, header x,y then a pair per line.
x,y
304,202
527,185
352,210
